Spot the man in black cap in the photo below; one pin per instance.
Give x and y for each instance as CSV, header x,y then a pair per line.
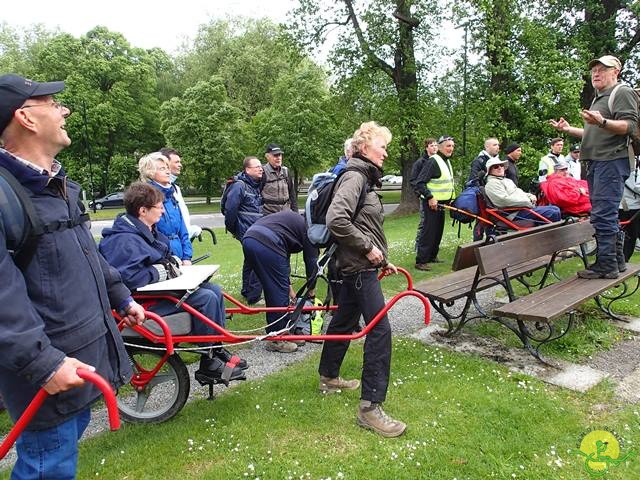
x,y
573,159
607,126
57,291
278,193
513,152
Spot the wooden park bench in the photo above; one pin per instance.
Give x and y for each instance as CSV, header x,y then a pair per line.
x,y
511,258
466,281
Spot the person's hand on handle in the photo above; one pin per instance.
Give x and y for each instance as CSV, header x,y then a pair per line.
x,y
66,378
433,203
390,269
134,314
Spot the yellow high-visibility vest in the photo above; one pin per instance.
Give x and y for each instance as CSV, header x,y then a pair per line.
x,y
442,188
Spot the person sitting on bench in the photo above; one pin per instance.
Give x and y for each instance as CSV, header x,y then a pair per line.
x,y
140,252
571,196
503,193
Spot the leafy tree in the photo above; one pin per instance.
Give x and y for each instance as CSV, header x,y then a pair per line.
x,y
208,131
300,120
378,38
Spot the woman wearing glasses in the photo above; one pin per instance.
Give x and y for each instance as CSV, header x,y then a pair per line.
x,y
154,169
140,253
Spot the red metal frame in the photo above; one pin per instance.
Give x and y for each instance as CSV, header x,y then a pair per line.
x,y
168,339
41,396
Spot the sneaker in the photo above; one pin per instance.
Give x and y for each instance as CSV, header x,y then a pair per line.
x,y
437,260
225,355
331,385
423,266
374,418
281,346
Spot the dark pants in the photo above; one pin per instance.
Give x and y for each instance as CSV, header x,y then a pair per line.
x,y
208,300
525,218
251,286
273,271
631,232
606,184
361,294
428,241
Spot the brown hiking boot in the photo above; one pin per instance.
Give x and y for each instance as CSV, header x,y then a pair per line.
x,y
331,385
281,346
373,418
423,266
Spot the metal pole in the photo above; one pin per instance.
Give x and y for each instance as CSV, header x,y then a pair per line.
x,y
87,147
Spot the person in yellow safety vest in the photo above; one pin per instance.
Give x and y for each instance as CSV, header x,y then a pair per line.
x,y
434,185
550,160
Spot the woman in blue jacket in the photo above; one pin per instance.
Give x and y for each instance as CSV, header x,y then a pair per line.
x,y
140,252
154,168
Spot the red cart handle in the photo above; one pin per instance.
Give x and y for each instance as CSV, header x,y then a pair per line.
x,y
41,396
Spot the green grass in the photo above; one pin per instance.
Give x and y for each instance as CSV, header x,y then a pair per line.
x,y
468,418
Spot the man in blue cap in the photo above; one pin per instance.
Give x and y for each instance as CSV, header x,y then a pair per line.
x,y
57,292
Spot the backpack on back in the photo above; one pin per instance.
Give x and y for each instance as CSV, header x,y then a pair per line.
x,y
634,136
225,191
319,198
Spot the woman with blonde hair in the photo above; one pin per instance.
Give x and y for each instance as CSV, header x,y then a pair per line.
x,y
154,169
361,253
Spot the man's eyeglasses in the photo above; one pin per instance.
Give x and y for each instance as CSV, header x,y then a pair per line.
x,y
256,166
56,105
276,154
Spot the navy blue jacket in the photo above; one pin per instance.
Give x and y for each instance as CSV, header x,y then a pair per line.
x,y
243,205
132,248
59,305
286,233
172,224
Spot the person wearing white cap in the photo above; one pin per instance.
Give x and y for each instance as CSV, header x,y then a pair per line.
x,y
503,193
604,147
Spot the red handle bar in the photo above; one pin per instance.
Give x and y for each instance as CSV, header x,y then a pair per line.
x,y
41,396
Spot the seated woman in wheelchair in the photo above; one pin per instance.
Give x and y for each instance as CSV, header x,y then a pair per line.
x,y
503,193
140,252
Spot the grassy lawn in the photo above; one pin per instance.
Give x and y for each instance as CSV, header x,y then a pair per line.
x,y
468,418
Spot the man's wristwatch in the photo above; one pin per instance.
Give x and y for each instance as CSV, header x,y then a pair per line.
x,y
603,124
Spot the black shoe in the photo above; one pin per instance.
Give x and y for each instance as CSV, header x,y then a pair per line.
x,y
212,370
225,355
423,266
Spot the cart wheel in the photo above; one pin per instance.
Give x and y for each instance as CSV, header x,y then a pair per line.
x,y
163,397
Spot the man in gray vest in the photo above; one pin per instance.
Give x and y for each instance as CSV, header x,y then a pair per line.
x,y
278,193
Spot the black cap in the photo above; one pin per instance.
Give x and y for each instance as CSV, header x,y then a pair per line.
x,y
575,148
274,148
15,90
511,147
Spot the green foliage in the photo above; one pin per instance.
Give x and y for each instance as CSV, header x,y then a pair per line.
x,y
207,130
300,120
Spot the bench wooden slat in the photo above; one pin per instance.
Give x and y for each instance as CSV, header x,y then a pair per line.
x,y
504,254
465,255
455,285
560,298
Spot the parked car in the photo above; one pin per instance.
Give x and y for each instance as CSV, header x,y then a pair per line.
x,y
386,178
395,180
114,200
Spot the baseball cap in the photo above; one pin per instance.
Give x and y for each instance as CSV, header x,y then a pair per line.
x,y
575,148
274,148
492,162
444,138
15,90
607,61
561,165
